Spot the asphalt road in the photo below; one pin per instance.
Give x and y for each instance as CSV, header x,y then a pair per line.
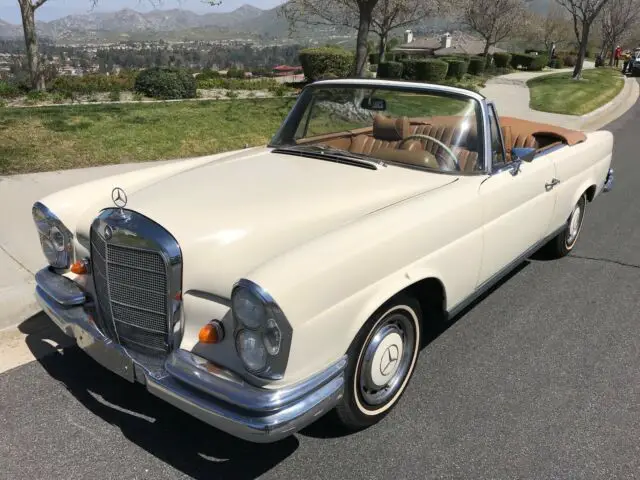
x,y
540,379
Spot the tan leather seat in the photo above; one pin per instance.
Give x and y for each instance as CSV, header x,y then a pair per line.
x,y
387,133
462,143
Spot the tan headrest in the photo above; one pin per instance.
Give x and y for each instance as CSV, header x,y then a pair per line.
x,y
390,129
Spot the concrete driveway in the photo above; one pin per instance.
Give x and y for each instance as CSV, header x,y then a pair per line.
x,y
540,379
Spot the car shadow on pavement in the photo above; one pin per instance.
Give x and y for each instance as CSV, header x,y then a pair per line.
x,y
185,443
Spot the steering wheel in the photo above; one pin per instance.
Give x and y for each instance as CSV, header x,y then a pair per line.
x,y
452,156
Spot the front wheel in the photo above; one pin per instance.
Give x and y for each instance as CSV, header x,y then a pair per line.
x,y
381,362
562,244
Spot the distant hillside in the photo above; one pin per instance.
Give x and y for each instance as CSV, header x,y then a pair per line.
x,y
177,24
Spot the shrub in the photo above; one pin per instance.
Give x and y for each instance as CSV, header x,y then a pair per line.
x,y
390,70
319,62
8,90
374,58
279,90
457,68
431,70
477,65
3,103
114,96
237,84
521,60
207,75
138,97
166,83
94,83
501,60
409,69
34,98
538,63
236,73
569,60
555,63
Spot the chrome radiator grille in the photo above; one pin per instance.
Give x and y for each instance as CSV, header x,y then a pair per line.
x,y
133,290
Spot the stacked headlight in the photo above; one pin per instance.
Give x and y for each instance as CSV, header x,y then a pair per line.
x,y
55,238
263,334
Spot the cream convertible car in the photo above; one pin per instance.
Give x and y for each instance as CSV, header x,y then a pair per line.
x,y
259,289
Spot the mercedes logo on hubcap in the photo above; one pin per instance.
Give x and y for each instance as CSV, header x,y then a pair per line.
x,y
119,197
389,359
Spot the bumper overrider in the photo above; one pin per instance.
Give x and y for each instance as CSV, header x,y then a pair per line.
x,y
212,394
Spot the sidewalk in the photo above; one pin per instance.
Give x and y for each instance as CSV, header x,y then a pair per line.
x,y
511,96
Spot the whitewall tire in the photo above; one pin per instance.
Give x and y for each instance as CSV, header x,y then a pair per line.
x,y
381,362
566,240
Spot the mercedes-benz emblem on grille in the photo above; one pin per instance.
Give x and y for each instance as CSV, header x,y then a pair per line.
x,y
119,197
108,232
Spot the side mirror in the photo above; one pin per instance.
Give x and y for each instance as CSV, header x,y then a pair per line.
x,y
523,154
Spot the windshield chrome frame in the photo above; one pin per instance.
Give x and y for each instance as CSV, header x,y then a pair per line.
x,y
425,88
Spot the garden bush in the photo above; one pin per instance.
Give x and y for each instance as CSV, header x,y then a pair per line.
x,y
94,83
236,73
431,70
237,84
569,60
555,63
521,60
8,90
166,83
477,65
457,68
208,74
538,62
501,60
319,62
374,58
390,70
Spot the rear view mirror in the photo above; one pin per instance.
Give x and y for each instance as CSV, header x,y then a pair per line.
x,y
376,104
524,154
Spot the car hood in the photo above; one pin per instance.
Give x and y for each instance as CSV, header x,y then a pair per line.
x,y
232,215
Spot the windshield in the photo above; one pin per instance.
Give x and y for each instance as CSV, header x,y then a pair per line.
x,y
409,127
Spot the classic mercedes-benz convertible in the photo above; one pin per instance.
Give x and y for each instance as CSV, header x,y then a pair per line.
x,y
259,289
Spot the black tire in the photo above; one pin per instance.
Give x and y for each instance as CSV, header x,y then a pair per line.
x,y
561,245
377,348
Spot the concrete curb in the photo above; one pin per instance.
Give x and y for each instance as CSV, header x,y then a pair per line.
x,y
617,107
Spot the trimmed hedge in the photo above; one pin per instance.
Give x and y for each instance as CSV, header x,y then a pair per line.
x,y
94,83
166,83
538,63
501,60
374,58
457,68
431,70
521,60
323,61
390,70
477,65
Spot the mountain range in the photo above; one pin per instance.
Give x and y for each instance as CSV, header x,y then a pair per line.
x,y
246,21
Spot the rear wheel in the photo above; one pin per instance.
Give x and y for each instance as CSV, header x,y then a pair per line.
x,y
381,362
562,244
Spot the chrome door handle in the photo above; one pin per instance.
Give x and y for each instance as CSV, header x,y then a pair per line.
x,y
553,183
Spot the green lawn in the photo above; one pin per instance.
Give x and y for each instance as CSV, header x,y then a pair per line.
x,y
558,93
53,138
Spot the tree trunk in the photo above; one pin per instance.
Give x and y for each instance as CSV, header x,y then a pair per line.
x,y
612,51
366,10
487,46
582,51
31,45
382,48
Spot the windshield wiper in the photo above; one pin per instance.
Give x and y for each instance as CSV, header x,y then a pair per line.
x,y
332,154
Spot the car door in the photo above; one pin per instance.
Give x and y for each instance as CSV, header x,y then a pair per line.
x,y
517,204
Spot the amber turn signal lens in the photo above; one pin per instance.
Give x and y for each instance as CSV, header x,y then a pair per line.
x,y
212,332
79,268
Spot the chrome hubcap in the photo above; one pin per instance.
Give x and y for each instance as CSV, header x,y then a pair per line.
x,y
574,225
386,360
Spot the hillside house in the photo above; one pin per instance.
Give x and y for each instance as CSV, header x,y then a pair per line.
x,y
458,43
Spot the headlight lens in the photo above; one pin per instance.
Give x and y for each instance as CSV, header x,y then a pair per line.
x,y
55,238
263,334
251,350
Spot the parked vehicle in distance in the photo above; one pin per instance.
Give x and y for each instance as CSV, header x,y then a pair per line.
x,y
261,288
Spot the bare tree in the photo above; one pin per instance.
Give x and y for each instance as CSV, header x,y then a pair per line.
x,y
617,19
392,14
356,14
493,20
554,27
583,14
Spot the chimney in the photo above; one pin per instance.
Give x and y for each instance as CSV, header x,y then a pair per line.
x,y
408,36
445,41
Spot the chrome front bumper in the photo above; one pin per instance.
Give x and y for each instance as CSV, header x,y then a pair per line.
x,y
214,395
608,183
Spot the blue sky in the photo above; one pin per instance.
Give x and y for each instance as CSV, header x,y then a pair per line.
x,y
10,11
